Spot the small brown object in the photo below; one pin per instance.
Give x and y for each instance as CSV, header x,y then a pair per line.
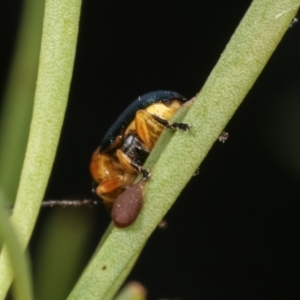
x,y
163,224
128,205
223,137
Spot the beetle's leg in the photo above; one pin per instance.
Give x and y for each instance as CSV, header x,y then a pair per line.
x,y
147,129
130,164
165,123
149,126
145,173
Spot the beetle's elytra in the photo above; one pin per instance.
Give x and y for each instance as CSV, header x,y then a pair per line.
x,y
117,162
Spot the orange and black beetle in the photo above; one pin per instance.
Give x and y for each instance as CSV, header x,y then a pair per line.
x,y
125,147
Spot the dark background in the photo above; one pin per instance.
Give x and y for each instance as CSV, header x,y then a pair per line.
x,y
233,233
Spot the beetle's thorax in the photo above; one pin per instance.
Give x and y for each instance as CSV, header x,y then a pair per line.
x,y
133,147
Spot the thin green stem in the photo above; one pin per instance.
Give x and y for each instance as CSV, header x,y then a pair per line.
x,y
60,30
19,262
18,99
240,64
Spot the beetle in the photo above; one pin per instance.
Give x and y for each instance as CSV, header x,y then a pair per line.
x,y
118,160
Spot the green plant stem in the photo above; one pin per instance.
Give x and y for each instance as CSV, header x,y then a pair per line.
x,y
60,30
240,64
18,99
121,278
19,262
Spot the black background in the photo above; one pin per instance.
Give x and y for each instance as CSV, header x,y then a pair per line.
x,y
233,233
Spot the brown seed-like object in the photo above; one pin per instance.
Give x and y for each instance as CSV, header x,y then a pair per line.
x,y
128,205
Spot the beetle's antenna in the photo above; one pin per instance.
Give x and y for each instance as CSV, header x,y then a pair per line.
x,y
74,203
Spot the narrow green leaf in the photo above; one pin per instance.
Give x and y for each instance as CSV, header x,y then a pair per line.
x,y
60,30
19,261
17,106
240,64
